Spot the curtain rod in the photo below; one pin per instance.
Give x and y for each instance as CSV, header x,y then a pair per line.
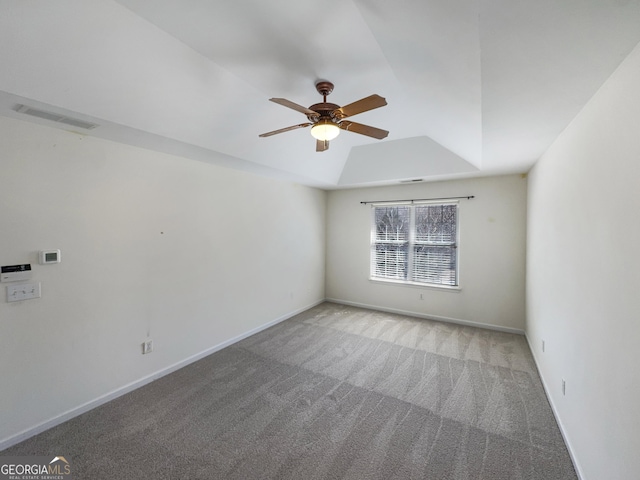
x,y
418,200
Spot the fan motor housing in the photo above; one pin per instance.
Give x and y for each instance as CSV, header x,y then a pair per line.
x,y
325,110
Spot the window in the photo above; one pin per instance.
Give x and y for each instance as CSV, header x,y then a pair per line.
x,y
415,243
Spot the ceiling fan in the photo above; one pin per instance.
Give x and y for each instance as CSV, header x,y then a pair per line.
x,y
328,118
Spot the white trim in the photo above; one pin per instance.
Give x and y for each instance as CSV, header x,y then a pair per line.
x,y
435,202
411,242
107,397
386,203
433,286
573,457
466,323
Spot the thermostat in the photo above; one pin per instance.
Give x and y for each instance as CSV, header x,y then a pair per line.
x,y
49,256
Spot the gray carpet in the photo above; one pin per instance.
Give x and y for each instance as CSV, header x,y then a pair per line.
x,y
334,393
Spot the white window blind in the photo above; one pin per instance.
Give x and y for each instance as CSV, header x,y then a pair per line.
x,y
390,253
415,243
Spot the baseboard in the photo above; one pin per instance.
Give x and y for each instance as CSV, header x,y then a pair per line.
x,y
467,323
79,410
572,455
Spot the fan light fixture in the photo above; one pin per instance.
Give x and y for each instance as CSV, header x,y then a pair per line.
x,y
325,130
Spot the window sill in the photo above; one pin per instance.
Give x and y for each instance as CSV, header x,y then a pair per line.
x,y
429,286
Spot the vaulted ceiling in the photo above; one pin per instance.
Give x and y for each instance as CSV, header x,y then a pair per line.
x,y
474,87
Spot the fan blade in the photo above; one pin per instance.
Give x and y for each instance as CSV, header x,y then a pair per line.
x,y
282,130
363,105
363,129
322,145
298,108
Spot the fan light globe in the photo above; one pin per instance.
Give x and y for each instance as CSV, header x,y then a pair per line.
x,y
325,130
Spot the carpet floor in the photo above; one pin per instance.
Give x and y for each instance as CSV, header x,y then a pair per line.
x,y
335,392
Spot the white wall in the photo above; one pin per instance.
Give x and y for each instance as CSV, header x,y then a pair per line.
x,y
153,246
583,275
491,254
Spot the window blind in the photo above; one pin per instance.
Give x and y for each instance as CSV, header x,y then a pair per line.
x,y
415,243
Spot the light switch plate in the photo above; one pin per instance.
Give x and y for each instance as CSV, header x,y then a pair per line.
x,y
25,291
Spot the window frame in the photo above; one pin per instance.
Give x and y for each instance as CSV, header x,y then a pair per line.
x,y
411,245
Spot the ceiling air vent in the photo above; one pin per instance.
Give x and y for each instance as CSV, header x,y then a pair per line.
x,y
413,180
55,117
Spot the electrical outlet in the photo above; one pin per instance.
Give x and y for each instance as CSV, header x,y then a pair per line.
x,y
421,296
147,347
564,387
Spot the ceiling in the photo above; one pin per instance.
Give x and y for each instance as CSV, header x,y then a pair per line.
x,y
474,87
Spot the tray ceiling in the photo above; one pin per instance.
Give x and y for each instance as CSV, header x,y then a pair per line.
x,y
473,87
